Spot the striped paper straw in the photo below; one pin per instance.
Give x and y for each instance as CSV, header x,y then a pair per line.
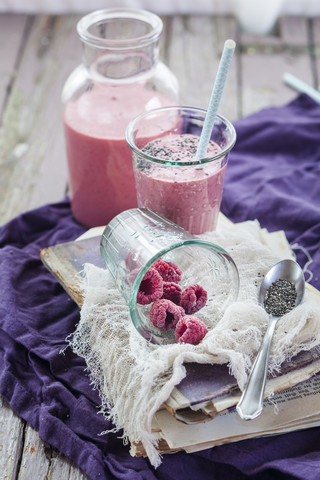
x,y
301,86
215,99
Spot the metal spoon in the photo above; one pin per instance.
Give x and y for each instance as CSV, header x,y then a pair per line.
x,y
251,402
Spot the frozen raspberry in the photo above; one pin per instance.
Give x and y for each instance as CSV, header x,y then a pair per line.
x,y
168,271
190,330
151,287
193,298
165,314
172,291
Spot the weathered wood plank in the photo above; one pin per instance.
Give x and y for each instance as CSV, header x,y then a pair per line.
x,y
294,31
33,167
12,29
40,460
11,441
193,53
61,467
316,31
262,70
315,24
34,462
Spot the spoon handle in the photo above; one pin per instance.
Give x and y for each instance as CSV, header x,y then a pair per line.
x,y
251,402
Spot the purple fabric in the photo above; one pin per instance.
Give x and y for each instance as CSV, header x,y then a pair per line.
x,y
273,175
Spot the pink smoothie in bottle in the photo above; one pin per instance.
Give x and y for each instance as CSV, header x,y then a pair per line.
x,y
189,195
99,159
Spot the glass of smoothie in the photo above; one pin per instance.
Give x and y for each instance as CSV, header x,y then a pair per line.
x,y
120,77
169,178
160,267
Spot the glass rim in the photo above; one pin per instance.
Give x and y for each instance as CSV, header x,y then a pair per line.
x,y
131,126
99,16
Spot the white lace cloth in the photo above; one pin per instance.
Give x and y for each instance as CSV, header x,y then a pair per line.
x,y
135,377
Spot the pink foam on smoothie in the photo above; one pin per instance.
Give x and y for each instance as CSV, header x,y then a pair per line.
x,y
188,195
99,159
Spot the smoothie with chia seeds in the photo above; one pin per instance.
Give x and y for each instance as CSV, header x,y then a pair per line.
x,y
189,195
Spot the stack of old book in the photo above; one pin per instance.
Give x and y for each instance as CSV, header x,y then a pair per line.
x,y
200,412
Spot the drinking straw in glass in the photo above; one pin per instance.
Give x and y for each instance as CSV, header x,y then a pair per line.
x,y
215,99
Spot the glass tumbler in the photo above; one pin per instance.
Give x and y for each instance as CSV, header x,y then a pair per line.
x,y
135,239
169,178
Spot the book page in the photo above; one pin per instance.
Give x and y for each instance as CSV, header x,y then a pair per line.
x,y
275,384
288,410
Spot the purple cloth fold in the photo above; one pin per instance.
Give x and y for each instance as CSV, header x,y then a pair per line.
x,y
274,176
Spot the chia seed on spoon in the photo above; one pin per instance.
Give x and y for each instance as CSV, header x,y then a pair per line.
x,y
280,297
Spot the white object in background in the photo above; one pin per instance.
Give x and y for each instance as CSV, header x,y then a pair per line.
x,y
164,7
257,17
301,86
309,8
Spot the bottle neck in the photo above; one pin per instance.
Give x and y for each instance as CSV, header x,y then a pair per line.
x,y
120,44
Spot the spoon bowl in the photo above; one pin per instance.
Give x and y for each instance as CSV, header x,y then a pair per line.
x,y
284,270
251,402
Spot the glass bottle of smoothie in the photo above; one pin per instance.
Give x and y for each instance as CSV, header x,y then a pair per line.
x,y
120,77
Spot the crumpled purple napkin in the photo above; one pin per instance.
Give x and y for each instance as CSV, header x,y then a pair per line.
x,y
274,176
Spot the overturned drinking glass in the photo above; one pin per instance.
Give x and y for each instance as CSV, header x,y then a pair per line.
x,y
138,239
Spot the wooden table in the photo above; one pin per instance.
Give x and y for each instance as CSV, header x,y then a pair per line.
x,y
37,54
